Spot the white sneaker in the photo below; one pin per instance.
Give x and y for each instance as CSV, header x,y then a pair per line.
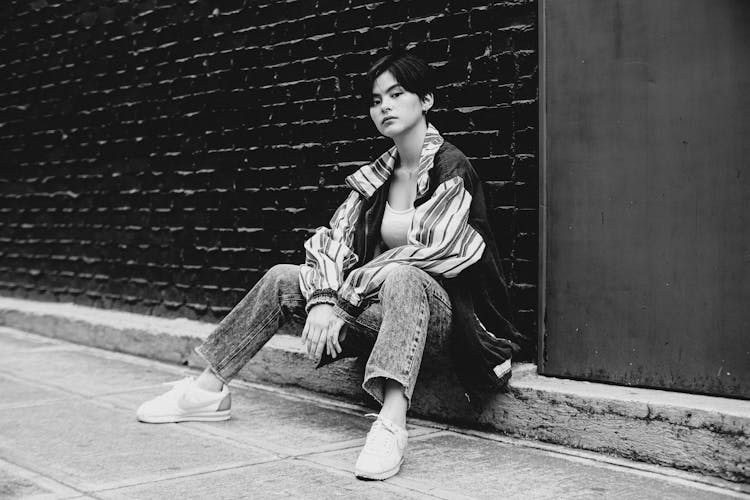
x,y
383,452
187,402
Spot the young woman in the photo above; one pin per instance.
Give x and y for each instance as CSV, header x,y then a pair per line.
x,y
408,259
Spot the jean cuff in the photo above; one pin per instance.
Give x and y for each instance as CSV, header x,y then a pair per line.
x,y
210,364
347,311
374,385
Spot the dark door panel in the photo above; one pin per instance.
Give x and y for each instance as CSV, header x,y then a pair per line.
x,y
646,170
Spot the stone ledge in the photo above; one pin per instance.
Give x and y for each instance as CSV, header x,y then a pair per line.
x,y
703,434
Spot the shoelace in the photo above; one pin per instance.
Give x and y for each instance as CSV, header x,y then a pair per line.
x,y
382,435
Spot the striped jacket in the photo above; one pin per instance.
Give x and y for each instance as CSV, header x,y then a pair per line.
x,y
449,238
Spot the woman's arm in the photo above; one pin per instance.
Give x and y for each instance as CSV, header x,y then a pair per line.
x,y
329,254
440,241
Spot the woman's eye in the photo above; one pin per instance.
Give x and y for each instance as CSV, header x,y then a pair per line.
x,y
396,94
375,102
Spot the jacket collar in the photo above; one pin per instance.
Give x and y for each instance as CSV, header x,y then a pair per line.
x,y
369,178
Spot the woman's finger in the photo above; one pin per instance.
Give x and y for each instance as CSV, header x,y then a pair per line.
x,y
326,345
318,344
336,343
321,343
329,346
311,338
305,331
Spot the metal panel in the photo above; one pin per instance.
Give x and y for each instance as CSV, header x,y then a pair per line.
x,y
645,147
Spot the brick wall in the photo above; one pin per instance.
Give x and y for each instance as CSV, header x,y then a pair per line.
x,y
159,156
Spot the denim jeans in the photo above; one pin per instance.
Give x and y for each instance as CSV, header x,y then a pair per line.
x,y
412,313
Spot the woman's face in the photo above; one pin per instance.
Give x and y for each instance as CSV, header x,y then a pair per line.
x,y
395,110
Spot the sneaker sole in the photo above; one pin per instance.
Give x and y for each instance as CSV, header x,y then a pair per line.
x,y
380,475
213,416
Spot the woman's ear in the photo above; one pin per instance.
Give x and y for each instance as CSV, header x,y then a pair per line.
x,y
427,101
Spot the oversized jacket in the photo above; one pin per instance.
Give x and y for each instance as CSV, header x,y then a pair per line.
x,y
449,238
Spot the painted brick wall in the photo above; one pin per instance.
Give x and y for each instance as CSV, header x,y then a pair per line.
x,y
159,156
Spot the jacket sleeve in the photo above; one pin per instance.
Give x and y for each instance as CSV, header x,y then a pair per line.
x,y
440,241
328,254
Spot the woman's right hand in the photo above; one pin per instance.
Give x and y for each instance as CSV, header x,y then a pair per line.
x,y
321,329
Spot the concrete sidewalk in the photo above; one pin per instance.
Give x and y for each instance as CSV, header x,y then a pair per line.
x,y
68,430
704,435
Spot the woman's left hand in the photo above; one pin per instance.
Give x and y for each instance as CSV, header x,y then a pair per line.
x,y
333,348
321,331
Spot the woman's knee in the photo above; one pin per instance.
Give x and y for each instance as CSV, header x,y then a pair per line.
x,y
403,278
281,284
283,273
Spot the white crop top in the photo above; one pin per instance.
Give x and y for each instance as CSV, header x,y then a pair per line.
x,y
395,225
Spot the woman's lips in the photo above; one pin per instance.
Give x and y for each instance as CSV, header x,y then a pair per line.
x,y
388,119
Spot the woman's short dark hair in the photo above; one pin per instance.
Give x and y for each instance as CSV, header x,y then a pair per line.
x,y
412,72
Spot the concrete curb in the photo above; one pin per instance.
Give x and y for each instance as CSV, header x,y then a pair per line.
x,y
703,434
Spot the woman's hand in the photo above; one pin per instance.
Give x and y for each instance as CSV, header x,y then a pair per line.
x,y
321,331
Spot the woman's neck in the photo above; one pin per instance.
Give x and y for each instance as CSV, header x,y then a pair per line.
x,y
409,145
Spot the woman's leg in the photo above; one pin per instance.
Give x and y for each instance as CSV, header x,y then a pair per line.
x,y
209,381
395,403
275,299
239,336
413,307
